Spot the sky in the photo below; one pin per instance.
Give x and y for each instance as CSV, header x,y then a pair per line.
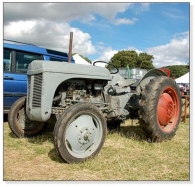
x,y
100,30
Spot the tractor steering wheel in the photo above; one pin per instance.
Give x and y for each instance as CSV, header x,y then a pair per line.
x,y
99,61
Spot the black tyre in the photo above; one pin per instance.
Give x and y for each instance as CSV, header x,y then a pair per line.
x,y
160,108
80,133
19,122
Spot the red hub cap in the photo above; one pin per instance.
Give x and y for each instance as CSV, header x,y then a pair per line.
x,y
168,110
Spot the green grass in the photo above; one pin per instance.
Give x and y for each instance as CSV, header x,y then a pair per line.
x,y
126,155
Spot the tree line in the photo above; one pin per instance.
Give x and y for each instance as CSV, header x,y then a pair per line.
x,y
131,58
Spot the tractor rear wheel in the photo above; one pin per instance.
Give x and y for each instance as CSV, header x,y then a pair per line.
x,y
160,108
80,133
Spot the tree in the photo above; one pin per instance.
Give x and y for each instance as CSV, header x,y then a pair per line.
x,y
124,58
132,59
145,61
178,70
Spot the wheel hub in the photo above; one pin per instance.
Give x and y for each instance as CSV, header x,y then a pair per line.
x,y
165,109
169,109
84,135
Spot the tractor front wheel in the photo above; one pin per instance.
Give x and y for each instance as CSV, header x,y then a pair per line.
x,y
80,133
160,108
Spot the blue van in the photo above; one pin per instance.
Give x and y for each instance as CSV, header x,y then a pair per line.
x,y
17,56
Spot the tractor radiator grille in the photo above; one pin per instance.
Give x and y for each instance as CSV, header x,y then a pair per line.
x,y
37,89
28,89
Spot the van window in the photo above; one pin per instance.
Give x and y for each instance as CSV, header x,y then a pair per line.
x,y
24,59
56,59
7,60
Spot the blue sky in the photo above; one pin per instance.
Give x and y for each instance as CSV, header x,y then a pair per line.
x,y
102,29
155,25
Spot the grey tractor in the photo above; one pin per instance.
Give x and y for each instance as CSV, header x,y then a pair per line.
x,y
82,100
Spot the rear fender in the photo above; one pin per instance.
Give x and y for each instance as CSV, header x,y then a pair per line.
x,y
147,77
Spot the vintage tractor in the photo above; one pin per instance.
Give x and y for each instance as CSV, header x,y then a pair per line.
x,y
82,100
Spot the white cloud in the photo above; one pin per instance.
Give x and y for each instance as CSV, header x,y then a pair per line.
x,y
18,28
131,48
125,21
60,12
174,53
140,8
82,43
173,13
108,54
48,24
88,18
107,10
52,35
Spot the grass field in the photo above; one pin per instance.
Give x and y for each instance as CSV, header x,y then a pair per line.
x,y
126,156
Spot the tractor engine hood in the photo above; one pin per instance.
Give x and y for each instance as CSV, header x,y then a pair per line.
x,y
94,72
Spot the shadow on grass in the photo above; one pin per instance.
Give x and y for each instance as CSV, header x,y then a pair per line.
x,y
40,139
133,132
47,136
130,132
55,157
